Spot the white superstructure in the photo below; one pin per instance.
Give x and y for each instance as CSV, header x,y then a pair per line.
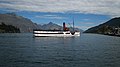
x,y
48,33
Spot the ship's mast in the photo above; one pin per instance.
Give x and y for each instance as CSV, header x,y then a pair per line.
x,y
73,24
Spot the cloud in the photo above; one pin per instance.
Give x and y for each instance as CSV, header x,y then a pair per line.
x,y
86,19
86,25
51,17
104,7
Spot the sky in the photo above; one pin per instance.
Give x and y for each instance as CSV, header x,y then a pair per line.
x,y
86,13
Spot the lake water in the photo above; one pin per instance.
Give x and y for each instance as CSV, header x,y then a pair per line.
x,y
88,50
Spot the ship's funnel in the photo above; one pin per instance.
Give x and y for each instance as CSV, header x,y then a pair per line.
x,y
64,26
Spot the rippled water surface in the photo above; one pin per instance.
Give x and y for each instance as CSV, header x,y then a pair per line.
x,y
88,50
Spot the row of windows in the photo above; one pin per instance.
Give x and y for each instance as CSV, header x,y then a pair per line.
x,y
51,33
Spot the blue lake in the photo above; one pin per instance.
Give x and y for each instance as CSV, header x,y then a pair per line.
x,y
88,50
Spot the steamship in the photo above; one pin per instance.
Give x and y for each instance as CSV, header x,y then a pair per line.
x,y
56,33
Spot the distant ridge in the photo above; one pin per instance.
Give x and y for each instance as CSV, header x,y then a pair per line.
x,y
107,27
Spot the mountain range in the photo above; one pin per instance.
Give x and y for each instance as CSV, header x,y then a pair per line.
x,y
107,27
53,26
26,25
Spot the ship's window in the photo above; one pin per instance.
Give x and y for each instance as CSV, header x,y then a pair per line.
x,y
67,33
